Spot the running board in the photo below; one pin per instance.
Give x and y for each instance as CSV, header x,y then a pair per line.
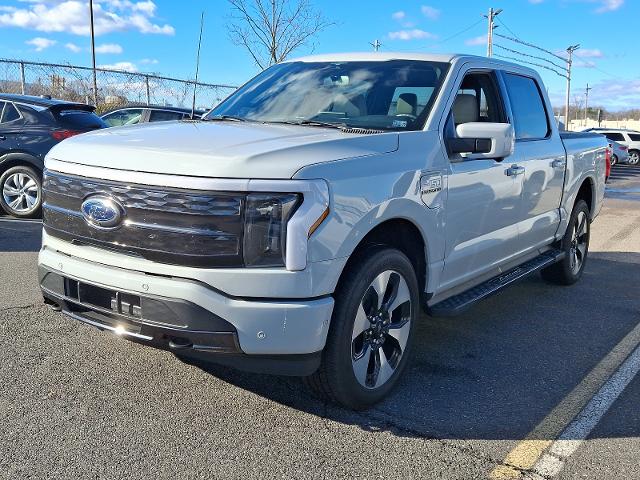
x,y
457,304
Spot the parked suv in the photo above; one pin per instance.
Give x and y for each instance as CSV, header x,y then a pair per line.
x,y
29,127
628,138
144,114
302,226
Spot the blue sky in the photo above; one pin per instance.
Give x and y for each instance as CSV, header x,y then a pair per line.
x,y
161,35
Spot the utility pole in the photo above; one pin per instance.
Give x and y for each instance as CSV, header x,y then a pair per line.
x,y
93,56
376,45
570,51
586,103
492,15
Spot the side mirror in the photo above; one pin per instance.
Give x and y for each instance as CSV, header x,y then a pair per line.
x,y
483,140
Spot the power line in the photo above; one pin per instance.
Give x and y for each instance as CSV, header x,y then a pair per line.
x,y
505,26
531,63
522,42
563,67
459,33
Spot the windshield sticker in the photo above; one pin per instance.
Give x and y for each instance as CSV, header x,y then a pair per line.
x,y
400,124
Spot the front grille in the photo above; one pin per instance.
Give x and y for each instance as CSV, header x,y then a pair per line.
x,y
167,225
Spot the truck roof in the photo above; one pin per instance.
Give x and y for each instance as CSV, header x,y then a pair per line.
x,y
385,56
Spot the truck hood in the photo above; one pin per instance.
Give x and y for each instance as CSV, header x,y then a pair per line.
x,y
218,149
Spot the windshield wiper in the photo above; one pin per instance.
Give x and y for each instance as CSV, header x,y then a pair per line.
x,y
312,123
230,118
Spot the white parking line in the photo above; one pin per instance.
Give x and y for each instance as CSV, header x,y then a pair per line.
x,y
552,462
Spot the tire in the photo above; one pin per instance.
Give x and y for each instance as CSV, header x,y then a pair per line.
x,y
368,347
21,192
575,244
613,160
634,157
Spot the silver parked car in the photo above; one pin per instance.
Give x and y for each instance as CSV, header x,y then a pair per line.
x,y
620,153
628,138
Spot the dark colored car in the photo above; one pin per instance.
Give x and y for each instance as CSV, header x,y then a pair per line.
x,y
132,115
29,127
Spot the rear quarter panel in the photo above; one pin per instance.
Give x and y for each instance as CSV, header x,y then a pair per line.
x,y
585,162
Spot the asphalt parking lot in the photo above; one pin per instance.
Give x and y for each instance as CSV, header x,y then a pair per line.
x,y
485,394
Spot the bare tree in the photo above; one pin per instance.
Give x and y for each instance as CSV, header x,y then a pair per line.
x,y
271,29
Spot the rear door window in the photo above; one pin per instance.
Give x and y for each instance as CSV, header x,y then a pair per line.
x,y
76,119
127,116
614,136
635,137
9,113
530,115
164,116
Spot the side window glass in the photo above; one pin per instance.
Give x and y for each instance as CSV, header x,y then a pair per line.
x,y
164,116
530,115
2,104
478,100
634,137
9,113
616,137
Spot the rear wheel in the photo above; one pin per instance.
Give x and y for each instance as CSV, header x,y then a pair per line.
x,y
613,160
575,244
21,192
371,330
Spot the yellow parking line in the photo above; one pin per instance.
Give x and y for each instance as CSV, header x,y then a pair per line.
x,y
530,449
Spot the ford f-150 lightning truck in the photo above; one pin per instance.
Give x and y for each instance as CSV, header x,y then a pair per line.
x,y
303,225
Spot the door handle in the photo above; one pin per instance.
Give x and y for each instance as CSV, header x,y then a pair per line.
x,y
514,171
559,163
2,137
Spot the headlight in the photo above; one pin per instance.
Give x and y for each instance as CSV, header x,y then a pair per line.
x,y
265,227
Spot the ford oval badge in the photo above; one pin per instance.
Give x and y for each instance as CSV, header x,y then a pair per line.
x,y
102,212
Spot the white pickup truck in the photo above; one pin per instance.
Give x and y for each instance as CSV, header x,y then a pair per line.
x,y
302,226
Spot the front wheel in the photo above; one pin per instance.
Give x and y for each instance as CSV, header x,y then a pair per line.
x,y
634,157
575,245
371,330
21,192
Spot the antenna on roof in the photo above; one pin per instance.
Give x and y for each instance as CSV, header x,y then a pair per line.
x,y
195,85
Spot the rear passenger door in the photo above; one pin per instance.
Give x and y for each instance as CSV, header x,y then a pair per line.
x,y
541,152
10,126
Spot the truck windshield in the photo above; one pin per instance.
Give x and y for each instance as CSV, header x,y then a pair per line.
x,y
380,95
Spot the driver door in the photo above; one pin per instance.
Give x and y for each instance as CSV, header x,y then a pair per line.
x,y
483,203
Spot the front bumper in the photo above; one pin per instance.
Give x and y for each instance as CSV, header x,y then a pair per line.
x,y
188,317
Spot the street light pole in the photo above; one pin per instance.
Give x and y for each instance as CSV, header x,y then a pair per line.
x,y
570,51
93,55
586,104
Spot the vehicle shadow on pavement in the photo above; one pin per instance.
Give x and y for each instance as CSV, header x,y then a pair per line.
x,y
20,235
495,372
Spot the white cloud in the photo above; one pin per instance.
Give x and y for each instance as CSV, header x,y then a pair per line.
x,y
414,34
71,16
430,12
609,5
589,53
480,40
124,66
73,47
41,43
109,48
583,64
536,2
149,61
398,15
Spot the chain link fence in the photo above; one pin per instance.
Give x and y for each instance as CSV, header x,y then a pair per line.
x,y
115,88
